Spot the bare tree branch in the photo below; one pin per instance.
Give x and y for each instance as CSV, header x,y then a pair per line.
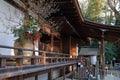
x,y
112,5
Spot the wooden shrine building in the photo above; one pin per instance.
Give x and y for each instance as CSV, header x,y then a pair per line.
x,y
55,55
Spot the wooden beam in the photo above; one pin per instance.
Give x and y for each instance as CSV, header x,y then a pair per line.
x,y
16,5
36,77
78,9
72,27
50,75
19,61
64,69
52,42
73,72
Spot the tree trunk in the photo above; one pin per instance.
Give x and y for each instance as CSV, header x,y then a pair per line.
x,y
117,16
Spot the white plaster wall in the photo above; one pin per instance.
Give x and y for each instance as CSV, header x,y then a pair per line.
x,y
9,17
93,60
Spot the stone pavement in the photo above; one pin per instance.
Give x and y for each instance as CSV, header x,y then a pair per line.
x,y
111,77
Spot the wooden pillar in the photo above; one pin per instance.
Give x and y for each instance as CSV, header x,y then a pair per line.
x,y
33,61
19,62
20,77
39,45
61,46
33,48
78,70
50,75
102,56
52,42
43,58
64,70
73,72
36,77
102,52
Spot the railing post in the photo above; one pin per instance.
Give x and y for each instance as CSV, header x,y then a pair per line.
x,y
56,59
73,72
43,58
50,75
64,73
20,77
51,60
36,77
33,60
19,61
2,62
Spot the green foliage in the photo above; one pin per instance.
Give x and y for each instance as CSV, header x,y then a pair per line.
x,y
95,43
93,11
110,51
29,30
101,11
118,51
117,16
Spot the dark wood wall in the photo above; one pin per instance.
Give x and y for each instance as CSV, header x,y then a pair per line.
x,y
69,45
66,44
73,47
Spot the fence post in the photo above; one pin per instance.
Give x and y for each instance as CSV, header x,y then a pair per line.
x,y
19,61
33,60
64,69
2,62
43,58
73,72
50,75
20,77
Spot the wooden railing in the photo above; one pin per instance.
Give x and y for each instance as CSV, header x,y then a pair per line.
x,y
86,70
18,64
44,57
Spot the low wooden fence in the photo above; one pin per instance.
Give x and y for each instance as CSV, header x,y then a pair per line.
x,y
44,57
11,66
